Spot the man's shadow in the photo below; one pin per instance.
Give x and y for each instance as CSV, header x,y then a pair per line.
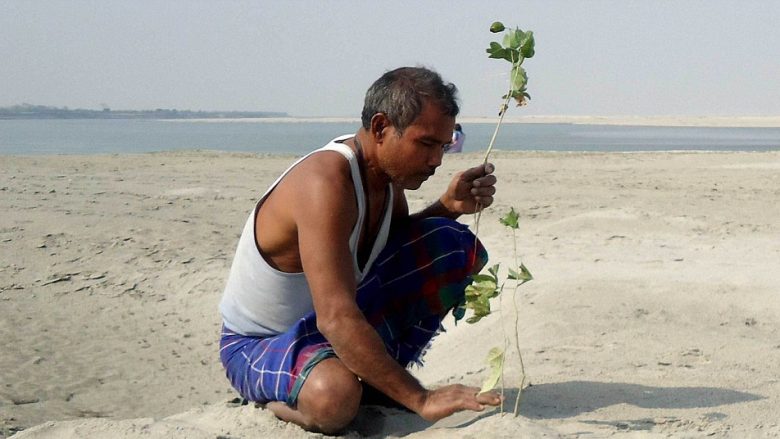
x,y
555,401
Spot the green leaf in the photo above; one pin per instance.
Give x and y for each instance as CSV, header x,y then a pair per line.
x,y
494,271
495,360
519,78
496,51
497,27
524,275
482,288
514,38
527,45
519,81
510,219
479,290
476,278
479,293
481,308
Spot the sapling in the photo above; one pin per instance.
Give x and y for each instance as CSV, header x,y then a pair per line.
x,y
485,287
517,46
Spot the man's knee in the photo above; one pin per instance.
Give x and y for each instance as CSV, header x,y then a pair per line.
x,y
330,397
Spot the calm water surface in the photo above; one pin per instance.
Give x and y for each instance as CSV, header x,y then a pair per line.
x,y
136,136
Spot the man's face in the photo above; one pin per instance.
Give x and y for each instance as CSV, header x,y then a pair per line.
x,y
411,159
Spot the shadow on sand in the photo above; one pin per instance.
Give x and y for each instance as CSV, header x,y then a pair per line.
x,y
571,398
555,401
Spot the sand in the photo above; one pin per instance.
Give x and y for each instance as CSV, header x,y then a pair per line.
x,y
654,311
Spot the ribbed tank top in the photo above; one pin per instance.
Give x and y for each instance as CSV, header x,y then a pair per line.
x,y
260,300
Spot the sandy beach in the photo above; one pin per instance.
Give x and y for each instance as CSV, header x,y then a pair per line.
x,y
654,311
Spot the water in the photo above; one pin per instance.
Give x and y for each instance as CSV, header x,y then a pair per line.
x,y
32,137
134,136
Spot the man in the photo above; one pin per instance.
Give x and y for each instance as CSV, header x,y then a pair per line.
x,y
325,300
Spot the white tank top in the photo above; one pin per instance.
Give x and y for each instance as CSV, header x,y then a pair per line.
x,y
260,300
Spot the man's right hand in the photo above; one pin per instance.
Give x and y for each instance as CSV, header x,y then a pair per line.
x,y
444,401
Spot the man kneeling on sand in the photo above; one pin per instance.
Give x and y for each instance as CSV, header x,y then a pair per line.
x,y
335,287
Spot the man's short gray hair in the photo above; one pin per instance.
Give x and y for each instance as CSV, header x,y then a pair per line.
x,y
401,93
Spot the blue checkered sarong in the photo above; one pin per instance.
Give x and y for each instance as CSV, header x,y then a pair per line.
x,y
418,277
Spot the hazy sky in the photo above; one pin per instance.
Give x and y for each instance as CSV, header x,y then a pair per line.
x,y
316,58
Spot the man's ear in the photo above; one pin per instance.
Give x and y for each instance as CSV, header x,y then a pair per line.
x,y
378,125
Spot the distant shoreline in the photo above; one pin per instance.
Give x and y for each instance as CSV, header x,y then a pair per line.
x,y
671,121
272,117
43,112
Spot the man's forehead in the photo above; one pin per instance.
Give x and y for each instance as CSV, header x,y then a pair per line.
x,y
440,131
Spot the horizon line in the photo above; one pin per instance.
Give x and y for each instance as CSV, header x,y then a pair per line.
x,y
737,121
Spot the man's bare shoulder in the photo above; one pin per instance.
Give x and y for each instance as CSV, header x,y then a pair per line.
x,y
304,201
324,170
320,182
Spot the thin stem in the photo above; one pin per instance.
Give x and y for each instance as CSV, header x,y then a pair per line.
x,y
502,377
504,108
505,339
517,333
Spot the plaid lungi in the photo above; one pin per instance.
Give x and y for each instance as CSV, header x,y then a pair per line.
x,y
419,276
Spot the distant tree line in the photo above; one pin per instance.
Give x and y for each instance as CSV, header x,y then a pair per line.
x,y
27,111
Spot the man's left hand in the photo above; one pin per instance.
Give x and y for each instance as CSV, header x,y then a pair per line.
x,y
470,190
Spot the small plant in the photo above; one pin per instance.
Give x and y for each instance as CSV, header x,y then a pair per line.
x,y
517,46
485,287
519,276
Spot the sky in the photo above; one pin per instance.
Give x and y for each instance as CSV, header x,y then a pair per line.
x,y
317,58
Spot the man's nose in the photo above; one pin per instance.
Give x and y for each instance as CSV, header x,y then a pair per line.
x,y
436,157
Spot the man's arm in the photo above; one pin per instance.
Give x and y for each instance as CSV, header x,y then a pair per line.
x,y
469,191
325,215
